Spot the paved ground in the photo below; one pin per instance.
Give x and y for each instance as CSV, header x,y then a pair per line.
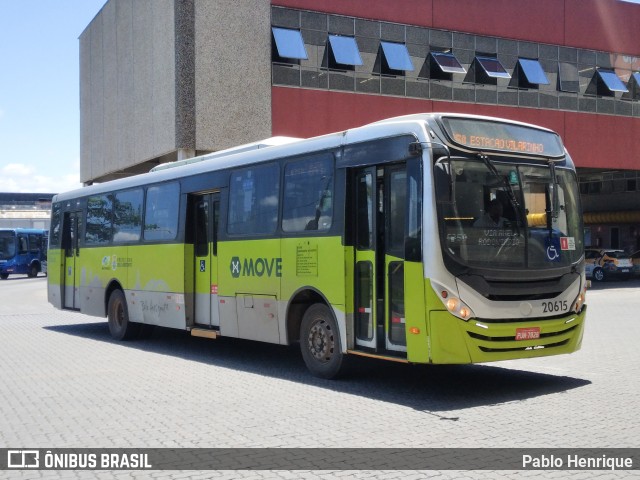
x,y
65,383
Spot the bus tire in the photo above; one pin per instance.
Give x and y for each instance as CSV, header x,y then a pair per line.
x,y
320,342
33,270
4,276
120,327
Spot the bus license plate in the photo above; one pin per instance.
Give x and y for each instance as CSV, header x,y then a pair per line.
x,y
527,333
625,270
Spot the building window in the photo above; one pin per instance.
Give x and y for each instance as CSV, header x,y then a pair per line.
x,y
487,70
605,83
343,52
530,74
443,65
288,45
492,67
594,187
396,58
634,85
568,80
253,200
369,56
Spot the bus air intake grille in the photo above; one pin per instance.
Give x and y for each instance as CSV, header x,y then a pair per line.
x,y
520,320
522,297
522,349
485,338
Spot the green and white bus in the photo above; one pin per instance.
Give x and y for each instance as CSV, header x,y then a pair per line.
x,y
430,238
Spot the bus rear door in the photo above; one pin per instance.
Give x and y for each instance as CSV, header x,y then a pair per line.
x,y
71,273
206,210
22,255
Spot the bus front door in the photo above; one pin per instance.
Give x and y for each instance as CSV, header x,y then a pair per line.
x,y
71,271
380,199
206,209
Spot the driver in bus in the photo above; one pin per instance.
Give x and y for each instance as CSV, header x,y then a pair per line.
x,y
492,218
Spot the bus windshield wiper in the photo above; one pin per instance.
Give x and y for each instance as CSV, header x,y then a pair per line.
x,y
551,198
511,194
554,186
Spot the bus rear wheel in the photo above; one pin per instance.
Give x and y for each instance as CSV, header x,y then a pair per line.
x,y
33,271
120,327
4,276
320,342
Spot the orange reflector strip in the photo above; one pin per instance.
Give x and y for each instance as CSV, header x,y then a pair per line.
x,y
414,330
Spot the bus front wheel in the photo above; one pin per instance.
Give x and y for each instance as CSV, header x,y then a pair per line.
x,y
320,342
119,325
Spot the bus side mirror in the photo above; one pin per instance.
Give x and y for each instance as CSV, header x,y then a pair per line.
x,y
415,149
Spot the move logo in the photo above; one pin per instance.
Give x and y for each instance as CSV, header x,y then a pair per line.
x,y
256,267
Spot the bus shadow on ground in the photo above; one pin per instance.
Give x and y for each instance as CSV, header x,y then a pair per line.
x,y
23,276
429,388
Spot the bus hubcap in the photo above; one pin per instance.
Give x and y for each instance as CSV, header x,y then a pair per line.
x,y
320,342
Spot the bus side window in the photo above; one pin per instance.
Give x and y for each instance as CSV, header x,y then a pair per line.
x,y
99,220
34,243
253,200
7,247
162,209
308,194
22,244
55,226
127,215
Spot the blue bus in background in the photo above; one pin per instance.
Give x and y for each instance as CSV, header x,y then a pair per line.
x,y
22,251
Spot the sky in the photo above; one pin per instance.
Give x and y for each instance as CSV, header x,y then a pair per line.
x,y
39,93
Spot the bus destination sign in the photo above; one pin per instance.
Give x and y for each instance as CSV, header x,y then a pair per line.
x,y
487,135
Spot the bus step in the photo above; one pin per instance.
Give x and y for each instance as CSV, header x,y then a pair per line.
x,y
375,355
204,332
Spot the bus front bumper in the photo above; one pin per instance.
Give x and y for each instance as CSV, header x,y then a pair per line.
x,y
474,341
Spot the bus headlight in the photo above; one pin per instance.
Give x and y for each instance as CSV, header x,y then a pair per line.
x,y
579,302
454,305
459,309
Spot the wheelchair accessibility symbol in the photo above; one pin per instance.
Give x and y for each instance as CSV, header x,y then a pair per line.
x,y
553,249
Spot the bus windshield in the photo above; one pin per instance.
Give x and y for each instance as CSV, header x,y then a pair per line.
x,y
507,215
7,245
